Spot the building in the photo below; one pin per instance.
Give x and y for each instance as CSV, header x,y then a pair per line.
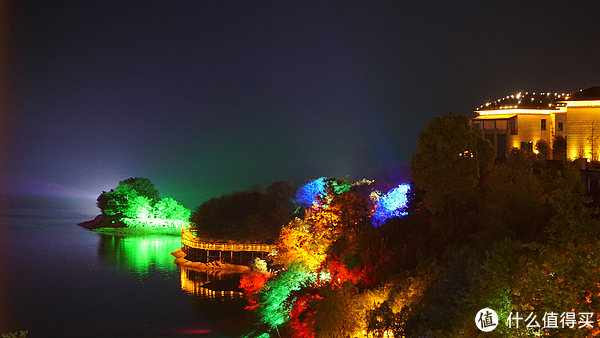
x,y
568,123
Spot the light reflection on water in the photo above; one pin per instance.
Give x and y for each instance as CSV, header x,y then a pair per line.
x,y
192,282
145,255
140,255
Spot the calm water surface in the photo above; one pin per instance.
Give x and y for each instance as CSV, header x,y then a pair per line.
x,y
60,280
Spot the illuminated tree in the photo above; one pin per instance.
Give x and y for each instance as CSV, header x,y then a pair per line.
x,y
383,322
277,298
342,311
303,315
354,213
392,204
143,186
340,186
140,208
168,208
292,294
308,240
310,192
115,201
252,282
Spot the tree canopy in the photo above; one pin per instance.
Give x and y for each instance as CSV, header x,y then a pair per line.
x,y
116,201
246,216
450,161
517,236
137,203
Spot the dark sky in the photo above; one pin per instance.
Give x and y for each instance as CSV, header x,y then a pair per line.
x,y
207,97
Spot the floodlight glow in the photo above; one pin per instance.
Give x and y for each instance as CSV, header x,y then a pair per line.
x,y
309,193
392,204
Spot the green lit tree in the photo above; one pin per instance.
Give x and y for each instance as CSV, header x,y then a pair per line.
x,y
168,208
144,187
117,200
139,207
136,203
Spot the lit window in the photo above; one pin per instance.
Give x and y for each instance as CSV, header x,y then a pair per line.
x,y
543,124
560,126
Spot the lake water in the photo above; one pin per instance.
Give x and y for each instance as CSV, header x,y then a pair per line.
x,y
60,280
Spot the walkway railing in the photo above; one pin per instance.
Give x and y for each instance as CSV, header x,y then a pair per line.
x,y
190,240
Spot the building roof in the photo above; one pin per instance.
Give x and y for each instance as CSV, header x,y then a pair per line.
x,y
494,117
592,93
526,100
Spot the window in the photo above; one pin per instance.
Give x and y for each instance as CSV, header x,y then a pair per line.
x,y
512,125
543,124
560,126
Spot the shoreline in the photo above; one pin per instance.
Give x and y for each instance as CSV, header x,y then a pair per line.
x,y
200,266
111,225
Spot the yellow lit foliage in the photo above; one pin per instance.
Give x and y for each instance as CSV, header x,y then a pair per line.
x,y
344,310
296,245
410,291
364,302
307,240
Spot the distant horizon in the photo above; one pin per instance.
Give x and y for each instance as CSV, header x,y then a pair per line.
x,y
25,188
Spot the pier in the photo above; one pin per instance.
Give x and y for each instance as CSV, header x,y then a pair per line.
x,y
197,250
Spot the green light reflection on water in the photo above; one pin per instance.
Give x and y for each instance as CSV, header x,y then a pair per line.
x,y
140,255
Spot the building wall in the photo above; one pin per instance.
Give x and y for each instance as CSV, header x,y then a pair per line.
x,y
578,130
530,130
560,118
579,119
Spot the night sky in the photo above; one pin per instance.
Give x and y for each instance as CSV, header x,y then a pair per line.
x,y
208,97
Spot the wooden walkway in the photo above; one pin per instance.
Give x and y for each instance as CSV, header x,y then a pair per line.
x,y
201,251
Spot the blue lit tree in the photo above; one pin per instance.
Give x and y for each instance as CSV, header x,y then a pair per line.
x,y
310,192
392,204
